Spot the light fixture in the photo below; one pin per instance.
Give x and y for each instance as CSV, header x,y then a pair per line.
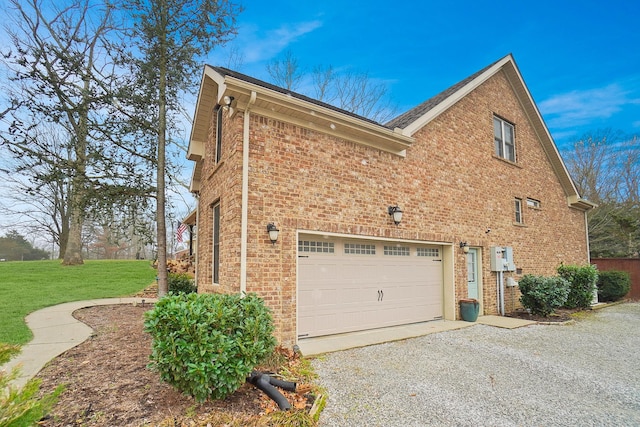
x,y
273,232
396,212
228,100
465,247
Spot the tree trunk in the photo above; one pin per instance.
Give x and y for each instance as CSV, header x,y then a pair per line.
x,y
161,225
73,252
73,249
78,196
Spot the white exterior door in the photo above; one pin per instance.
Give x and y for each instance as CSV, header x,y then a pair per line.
x,y
347,285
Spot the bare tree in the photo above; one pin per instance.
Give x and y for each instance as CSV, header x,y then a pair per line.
x,y
39,188
61,74
357,93
286,72
605,165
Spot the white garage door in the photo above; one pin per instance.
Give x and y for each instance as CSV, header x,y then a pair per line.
x,y
349,285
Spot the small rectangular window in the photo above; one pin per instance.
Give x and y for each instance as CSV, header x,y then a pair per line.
x,y
311,246
518,209
533,203
397,250
428,252
359,249
503,136
215,275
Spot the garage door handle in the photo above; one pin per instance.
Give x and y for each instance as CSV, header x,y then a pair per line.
x,y
382,293
303,256
379,294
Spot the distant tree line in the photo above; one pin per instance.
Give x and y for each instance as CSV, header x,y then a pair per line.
x,y
605,166
14,247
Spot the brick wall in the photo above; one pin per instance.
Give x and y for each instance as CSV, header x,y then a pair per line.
x,y
450,186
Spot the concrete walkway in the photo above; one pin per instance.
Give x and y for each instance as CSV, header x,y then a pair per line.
x,y
55,331
331,343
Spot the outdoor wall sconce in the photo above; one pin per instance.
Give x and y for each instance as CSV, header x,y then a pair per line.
x,y
396,212
273,232
465,247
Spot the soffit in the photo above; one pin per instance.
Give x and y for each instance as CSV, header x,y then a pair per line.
x,y
304,112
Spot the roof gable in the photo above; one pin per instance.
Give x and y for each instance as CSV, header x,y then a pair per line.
x,y
415,119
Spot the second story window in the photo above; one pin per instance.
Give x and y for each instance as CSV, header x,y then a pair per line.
x,y
503,136
518,209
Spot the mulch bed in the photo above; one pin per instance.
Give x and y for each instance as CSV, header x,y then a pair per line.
x,y
107,382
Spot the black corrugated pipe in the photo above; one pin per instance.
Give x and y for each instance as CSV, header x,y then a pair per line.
x,y
265,383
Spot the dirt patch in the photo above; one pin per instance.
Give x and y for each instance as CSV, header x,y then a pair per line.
x,y
108,384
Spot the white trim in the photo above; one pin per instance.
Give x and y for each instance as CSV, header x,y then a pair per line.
x,y
307,114
455,97
245,196
377,238
197,258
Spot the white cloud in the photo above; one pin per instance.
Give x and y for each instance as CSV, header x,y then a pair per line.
x,y
580,107
255,44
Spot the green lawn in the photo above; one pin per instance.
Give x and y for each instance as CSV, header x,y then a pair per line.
x,y
30,285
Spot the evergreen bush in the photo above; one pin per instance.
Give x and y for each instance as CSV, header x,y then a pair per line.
x,y
22,406
613,285
206,345
542,295
582,284
181,283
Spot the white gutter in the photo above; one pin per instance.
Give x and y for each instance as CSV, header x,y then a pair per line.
x,y
245,195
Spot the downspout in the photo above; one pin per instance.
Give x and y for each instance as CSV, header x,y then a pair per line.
x,y
594,300
498,291
245,195
501,293
197,258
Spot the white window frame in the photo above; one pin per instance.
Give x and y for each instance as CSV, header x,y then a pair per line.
x,y
533,203
518,210
504,148
215,243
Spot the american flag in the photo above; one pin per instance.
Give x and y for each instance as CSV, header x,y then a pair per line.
x,y
182,227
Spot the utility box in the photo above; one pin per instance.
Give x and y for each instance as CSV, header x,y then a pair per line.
x,y
497,262
502,258
507,255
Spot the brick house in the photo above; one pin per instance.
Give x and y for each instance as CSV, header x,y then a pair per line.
x,y
471,169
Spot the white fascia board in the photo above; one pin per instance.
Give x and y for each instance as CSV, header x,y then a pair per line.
x,y
455,97
316,116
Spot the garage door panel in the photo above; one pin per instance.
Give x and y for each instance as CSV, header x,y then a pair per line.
x,y
344,292
320,272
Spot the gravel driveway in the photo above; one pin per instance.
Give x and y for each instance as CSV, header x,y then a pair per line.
x,y
583,374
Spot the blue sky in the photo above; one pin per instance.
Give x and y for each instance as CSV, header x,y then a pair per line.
x,y
580,59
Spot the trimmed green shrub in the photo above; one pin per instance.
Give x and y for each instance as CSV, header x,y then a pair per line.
x,y
181,283
582,284
206,345
542,295
22,406
613,285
